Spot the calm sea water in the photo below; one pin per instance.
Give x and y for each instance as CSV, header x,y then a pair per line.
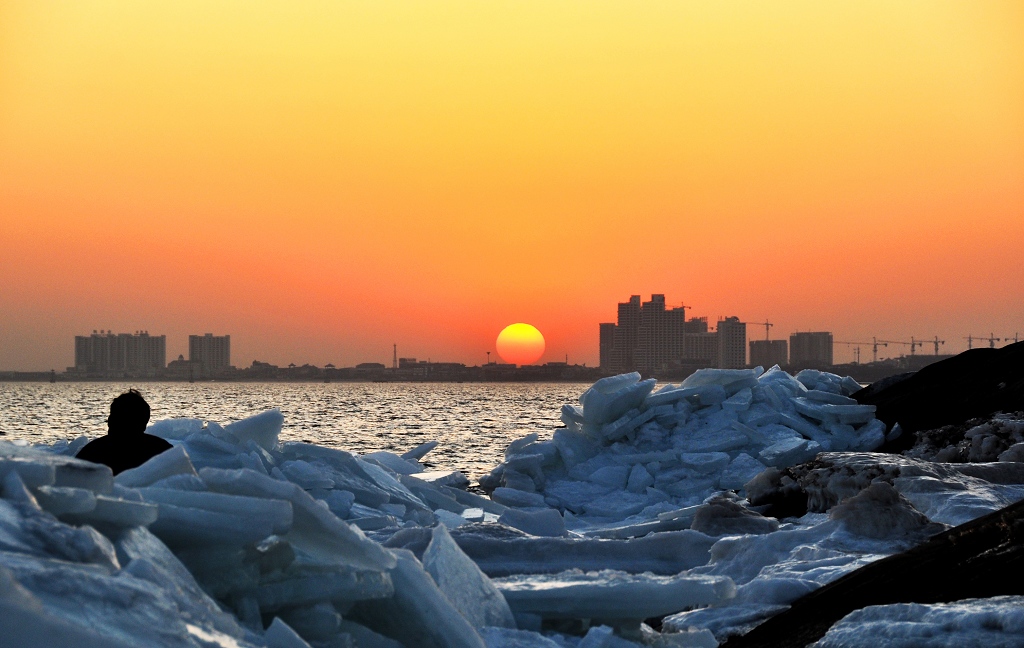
x,y
474,422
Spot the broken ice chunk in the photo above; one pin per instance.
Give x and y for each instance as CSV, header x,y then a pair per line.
x,y
295,586
610,595
704,462
315,529
175,429
612,476
60,500
741,470
306,475
828,397
394,462
512,497
465,586
609,398
32,474
38,468
870,436
190,517
419,451
573,447
263,428
639,479
789,452
418,614
168,463
279,635
451,478
115,512
740,401
541,522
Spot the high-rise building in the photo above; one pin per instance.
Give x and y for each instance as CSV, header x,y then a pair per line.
x,y
109,354
627,332
649,336
607,344
810,349
211,353
767,353
732,343
661,335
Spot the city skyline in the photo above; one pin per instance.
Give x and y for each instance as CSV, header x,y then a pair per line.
x,y
324,182
843,351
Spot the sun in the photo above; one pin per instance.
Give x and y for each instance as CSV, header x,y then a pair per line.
x,y
520,344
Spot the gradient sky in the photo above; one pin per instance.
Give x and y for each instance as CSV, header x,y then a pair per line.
x,y
324,179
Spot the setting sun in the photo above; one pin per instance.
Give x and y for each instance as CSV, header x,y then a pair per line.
x,y
520,344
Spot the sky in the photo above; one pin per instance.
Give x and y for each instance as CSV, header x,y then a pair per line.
x,y
321,180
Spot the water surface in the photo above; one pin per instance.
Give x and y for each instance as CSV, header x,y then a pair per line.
x,y
473,421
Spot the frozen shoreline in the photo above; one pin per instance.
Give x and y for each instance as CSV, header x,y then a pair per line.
x,y
640,508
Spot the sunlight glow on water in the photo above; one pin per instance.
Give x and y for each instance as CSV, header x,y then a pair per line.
x,y
473,421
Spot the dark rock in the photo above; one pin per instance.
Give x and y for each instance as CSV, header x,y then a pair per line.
x,y
980,559
723,516
983,439
972,384
879,511
832,477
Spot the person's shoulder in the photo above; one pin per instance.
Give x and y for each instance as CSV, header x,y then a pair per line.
x,y
155,442
93,447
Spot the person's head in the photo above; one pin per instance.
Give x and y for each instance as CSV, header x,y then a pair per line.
x,y
129,414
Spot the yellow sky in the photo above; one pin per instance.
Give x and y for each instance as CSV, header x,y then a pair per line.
x,y
323,179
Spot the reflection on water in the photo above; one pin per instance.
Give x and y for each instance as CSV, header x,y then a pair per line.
x,y
473,421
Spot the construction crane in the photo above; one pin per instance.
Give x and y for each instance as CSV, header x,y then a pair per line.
x,y
992,339
874,343
856,348
913,344
767,325
937,342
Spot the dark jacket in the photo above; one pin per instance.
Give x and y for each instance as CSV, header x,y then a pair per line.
x,y
123,451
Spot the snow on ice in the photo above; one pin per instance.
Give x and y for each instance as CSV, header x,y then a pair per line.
x,y
648,504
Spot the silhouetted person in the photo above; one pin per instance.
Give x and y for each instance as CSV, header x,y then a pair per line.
x,y
126,444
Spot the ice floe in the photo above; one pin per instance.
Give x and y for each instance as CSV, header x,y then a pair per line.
x,y
709,505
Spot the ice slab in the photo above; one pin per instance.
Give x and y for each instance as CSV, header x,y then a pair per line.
x,y
263,429
175,429
517,498
499,550
610,595
418,614
450,478
420,451
36,625
465,586
168,463
188,518
315,529
60,500
149,559
114,512
280,635
993,622
393,462
309,586
39,468
609,398
542,522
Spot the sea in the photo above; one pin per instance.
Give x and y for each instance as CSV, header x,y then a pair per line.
x,y
473,422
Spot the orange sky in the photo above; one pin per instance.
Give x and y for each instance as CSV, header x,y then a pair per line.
x,y
323,181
